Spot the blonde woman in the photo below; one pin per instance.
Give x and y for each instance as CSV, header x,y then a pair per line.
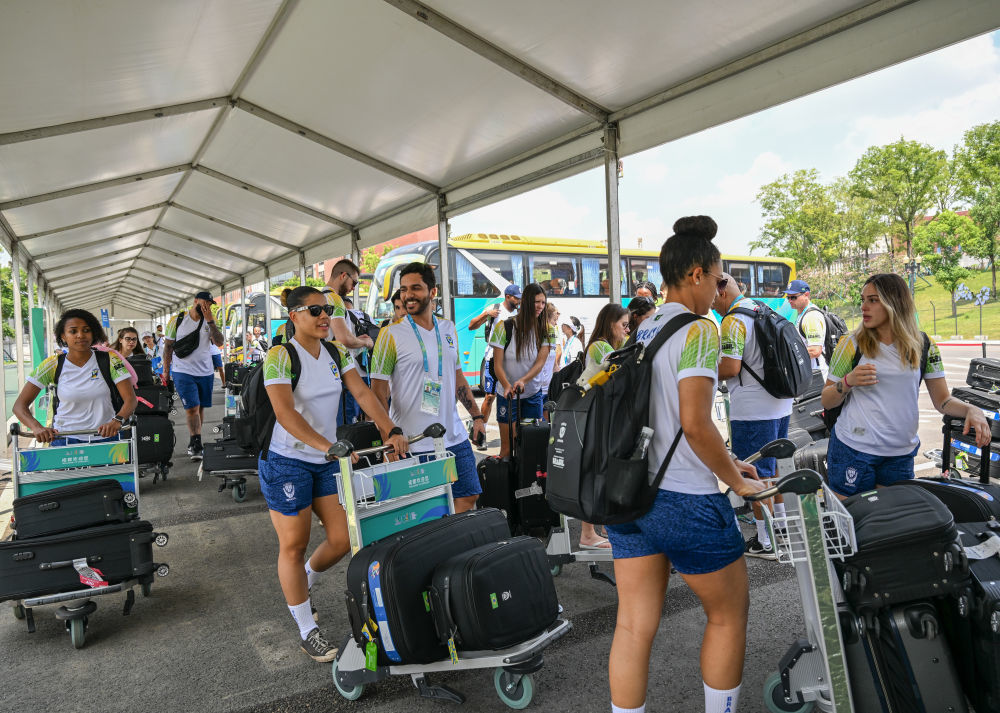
x,y
875,374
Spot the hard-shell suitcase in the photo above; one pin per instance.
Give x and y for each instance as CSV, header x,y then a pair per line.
x,y
805,415
987,401
143,369
908,549
862,667
497,477
45,565
973,625
70,507
362,435
918,671
531,458
158,396
387,582
226,455
494,596
984,373
156,439
967,499
812,456
971,453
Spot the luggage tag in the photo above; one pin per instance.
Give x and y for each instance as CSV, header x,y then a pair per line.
x,y
452,652
90,576
984,550
430,401
371,656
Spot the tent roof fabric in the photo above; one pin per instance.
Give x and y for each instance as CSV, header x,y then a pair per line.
x,y
194,142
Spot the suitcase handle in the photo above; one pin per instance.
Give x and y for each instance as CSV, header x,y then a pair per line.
x,y
93,559
47,507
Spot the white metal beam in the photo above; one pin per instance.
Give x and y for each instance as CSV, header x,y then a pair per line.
x,y
180,283
88,280
209,265
444,271
138,283
174,269
209,246
92,263
220,221
93,221
88,245
55,280
96,186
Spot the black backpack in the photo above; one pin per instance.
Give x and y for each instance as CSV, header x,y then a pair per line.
x,y
508,329
831,415
787,364
594,474
104,365
835,329
256,404
566,376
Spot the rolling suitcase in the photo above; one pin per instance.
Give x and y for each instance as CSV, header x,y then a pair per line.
x,y
45,565
966,445
989,402
812,456
984,374
494,596
156,439
531,462
226,455
967,499
806,415
70,507
362,435
143,369
908,549
496,478
158,396
387,581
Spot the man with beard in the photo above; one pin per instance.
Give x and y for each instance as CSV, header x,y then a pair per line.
x,y
416,361
343,278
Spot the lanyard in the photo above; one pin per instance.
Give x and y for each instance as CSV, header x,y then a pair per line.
x,y
423,349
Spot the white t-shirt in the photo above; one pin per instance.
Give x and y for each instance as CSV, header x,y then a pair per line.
x,y
748,401
545,378
198,362
881,419
503,314
317,396
214,349
812,328
691,351
516,368
398,359
84,396
571,349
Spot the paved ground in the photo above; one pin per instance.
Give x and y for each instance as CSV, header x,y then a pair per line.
x,y
216,636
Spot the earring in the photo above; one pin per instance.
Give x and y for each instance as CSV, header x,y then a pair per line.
x,y
697,282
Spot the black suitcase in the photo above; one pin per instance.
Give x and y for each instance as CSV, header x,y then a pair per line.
x,y
908,549
812,456
496,478
531,459
44,565
984,373
363,434
985,400
70,507
158,396
143,369
814,389
805,415
966,445
156,439
967,499
226,455
494,596
387,581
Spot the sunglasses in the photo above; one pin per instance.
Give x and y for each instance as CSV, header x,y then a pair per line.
x,y
130,339
723,281
314,310
791,298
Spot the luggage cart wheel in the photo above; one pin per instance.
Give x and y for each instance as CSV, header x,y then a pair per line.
x,y
161,539
240,492
77,631
162,570
774,698
146,588
556,570
216,429
514,689
18,611
353,693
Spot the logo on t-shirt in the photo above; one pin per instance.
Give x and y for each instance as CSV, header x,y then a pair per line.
x,y
333,370
94,373
451,342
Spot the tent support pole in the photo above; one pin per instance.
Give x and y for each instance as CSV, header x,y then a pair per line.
x,y
611,210
444,276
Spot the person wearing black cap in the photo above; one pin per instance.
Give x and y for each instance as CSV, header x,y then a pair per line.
x,y
187,357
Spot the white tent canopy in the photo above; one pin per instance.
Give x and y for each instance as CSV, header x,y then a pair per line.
x,y
149,149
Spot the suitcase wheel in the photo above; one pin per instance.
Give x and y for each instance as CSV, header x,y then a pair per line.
x,y
161,539
351,693
240,492
514,689
774,697
162,570
555,570
77,631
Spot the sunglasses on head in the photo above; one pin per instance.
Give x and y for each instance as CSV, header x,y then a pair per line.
x,y
314,310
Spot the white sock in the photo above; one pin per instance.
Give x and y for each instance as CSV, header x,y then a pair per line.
x,y
311,575
619,709
779,509
762,532
721,701
302,613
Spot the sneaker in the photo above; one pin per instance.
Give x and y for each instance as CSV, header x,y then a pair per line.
x,y
195,452
755,549
317,647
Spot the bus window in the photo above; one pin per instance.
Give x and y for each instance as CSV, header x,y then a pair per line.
x,y
772,278
557,274
595,277
742,272
644,270
479,280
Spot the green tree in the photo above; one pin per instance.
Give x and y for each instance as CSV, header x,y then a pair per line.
x,y
7,296
900,179
942,241
370,256
856,225
799,215
294,282
978,167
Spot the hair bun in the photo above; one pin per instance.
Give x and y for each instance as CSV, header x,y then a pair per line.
x,y
696,226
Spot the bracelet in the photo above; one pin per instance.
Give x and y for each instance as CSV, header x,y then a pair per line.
x,y
396,431
480,417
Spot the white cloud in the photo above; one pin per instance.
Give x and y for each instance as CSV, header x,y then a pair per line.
x,y
741,188
652,172
544,212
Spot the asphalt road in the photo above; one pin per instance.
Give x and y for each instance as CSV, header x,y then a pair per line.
x,y
215,634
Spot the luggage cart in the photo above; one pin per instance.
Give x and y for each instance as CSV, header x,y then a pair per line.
x,y
560,551
36,470
391,497
815,530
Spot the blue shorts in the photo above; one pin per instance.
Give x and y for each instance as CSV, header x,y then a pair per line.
x,y
290,485
217,361
850,471
467,484
750,436
529,408
194,391
697,533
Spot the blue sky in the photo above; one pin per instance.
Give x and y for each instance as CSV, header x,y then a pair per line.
x,y
933,99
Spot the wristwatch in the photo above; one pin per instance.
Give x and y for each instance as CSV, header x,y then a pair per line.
x,y
396,431
840,387
119,419
480,417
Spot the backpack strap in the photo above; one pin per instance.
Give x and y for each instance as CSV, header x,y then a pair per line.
x,y
293,357
746,311
508,330
103,365
924,352
669,329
